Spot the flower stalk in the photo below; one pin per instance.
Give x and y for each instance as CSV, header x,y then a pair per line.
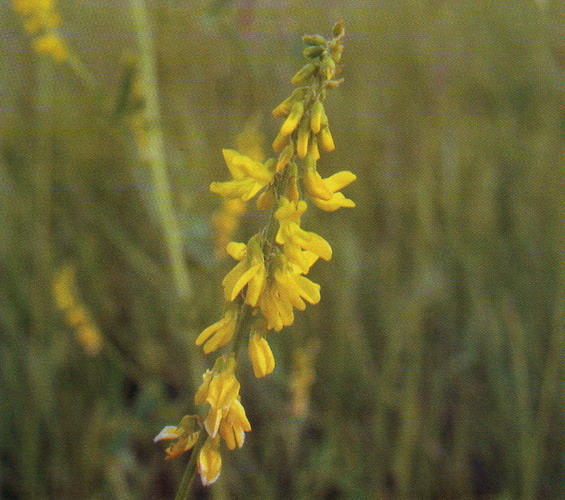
x,y
269,280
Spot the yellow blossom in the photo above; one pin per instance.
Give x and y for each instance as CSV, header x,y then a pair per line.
x,y
316,117
249,176
226,223
76,313
287,289
333,184
186,435
234,425
260,354
90,338
218,334
41,20
219,389
293,237
250,271
210,461
293,119
52,45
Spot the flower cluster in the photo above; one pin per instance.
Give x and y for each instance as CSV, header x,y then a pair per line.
x,y
77,316
41,21
269,280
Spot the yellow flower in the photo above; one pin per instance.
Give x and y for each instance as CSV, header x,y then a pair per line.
x,y
260,355
186,435
219,389
250,271
234,425
293,237
90,338
63,283
41,20
51,44
218,334
226,223
333,184
210,461
324,192
249,176
293,118
287,289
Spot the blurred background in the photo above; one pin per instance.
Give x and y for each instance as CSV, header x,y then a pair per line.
x,y
433,365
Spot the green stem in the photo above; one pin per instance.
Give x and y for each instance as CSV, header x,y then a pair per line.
x,y
156,152
185,491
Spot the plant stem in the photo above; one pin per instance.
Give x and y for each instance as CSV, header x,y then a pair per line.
x,y
155,152
185,489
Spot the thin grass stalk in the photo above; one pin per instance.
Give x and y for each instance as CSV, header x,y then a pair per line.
x,y
41,262
520,373
156,152
552,378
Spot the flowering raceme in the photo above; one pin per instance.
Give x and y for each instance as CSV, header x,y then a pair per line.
x,y
41,21
269,281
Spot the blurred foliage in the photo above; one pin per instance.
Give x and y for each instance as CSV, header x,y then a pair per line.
x,y
438,344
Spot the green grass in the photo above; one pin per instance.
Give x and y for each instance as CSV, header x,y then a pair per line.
x,y
440,330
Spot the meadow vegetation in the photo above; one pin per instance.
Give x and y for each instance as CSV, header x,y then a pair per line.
x,y
432,366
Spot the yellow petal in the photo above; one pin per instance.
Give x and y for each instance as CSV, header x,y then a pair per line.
x,y
316,117
339,180
210,461
293,119
236,250
337,201
326,139
315,186
260,355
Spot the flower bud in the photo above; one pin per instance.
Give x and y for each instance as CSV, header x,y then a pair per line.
x,y
328,67
293,119
285,156
314,40
313,51
280,142
316,117
313,148
283,109
303,137
304,74
326,139
332,84
338,29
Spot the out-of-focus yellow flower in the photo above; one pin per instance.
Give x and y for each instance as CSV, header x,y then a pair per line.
x,y
260,354
186,435
210,461
303,377
249,176
76,314
226,223
234,425
220,333
51,44
41,20
287,289
63,281
250,271
250,140
89,337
